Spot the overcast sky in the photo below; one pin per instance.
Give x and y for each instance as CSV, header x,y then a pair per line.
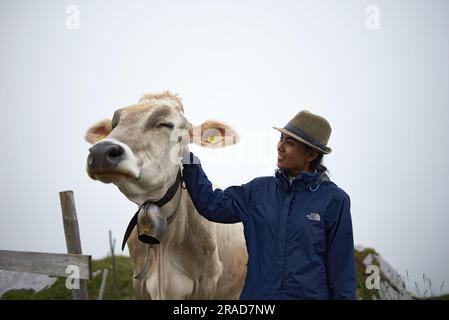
x,y
377,70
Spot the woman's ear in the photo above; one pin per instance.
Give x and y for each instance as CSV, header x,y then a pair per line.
x,y
98,131
313,154
213,134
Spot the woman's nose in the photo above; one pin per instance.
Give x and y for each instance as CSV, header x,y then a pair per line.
x,y
280,146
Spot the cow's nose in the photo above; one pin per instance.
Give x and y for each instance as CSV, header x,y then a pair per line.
x,y
114,153
105,154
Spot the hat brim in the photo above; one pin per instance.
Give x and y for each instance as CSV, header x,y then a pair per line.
x,y
327,150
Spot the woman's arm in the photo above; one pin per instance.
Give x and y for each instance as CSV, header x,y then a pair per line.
x,y
225,206
340,249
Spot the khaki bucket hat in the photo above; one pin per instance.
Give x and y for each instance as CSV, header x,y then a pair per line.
x,y
310,129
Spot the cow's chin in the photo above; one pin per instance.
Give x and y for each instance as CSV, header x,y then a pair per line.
x,y
116,176
145,188
139,194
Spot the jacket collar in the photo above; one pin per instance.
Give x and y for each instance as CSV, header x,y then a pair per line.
x,y
303,179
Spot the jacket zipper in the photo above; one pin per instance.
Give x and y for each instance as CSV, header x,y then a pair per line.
x,y
285,243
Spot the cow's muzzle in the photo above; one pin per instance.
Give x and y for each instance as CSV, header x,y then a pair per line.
x,y
151,224
104,156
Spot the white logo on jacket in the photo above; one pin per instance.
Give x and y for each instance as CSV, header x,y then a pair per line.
x,y
314,216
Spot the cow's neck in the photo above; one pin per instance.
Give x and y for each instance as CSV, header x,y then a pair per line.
x,y
185,219
188,230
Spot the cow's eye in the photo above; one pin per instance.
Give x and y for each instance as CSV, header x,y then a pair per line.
x,y
169,125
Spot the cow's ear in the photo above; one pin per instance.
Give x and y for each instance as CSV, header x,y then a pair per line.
x,y
98,131
213,134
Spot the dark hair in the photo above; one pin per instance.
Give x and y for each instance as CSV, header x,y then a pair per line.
x,y
317,163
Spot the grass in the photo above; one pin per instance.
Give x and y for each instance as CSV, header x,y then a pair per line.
x,y
443,297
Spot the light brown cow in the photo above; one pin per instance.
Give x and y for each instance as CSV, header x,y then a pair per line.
x,y
139,151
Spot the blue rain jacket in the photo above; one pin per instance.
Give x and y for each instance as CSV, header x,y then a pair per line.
x,y
299,237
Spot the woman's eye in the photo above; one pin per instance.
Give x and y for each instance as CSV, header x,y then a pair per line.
x,y
169,125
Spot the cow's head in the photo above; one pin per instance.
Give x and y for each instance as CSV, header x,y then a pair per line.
x,y
139,149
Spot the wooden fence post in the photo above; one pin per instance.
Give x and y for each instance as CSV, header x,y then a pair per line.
x,y
72,236
103,283
114,276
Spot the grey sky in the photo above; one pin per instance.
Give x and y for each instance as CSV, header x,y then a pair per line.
x,y
253,65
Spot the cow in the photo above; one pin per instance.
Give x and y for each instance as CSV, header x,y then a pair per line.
x,y
139,150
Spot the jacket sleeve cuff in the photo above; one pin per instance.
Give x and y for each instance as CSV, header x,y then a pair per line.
x,y
190,158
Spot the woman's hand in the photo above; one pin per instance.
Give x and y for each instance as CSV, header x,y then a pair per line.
x,y
187,157
185,154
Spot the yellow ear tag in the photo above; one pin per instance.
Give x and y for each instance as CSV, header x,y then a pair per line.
x,y
214,139
100,138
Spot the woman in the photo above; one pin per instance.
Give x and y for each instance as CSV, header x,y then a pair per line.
x,y
297,224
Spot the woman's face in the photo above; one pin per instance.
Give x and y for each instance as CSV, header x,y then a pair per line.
x,y
292,155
